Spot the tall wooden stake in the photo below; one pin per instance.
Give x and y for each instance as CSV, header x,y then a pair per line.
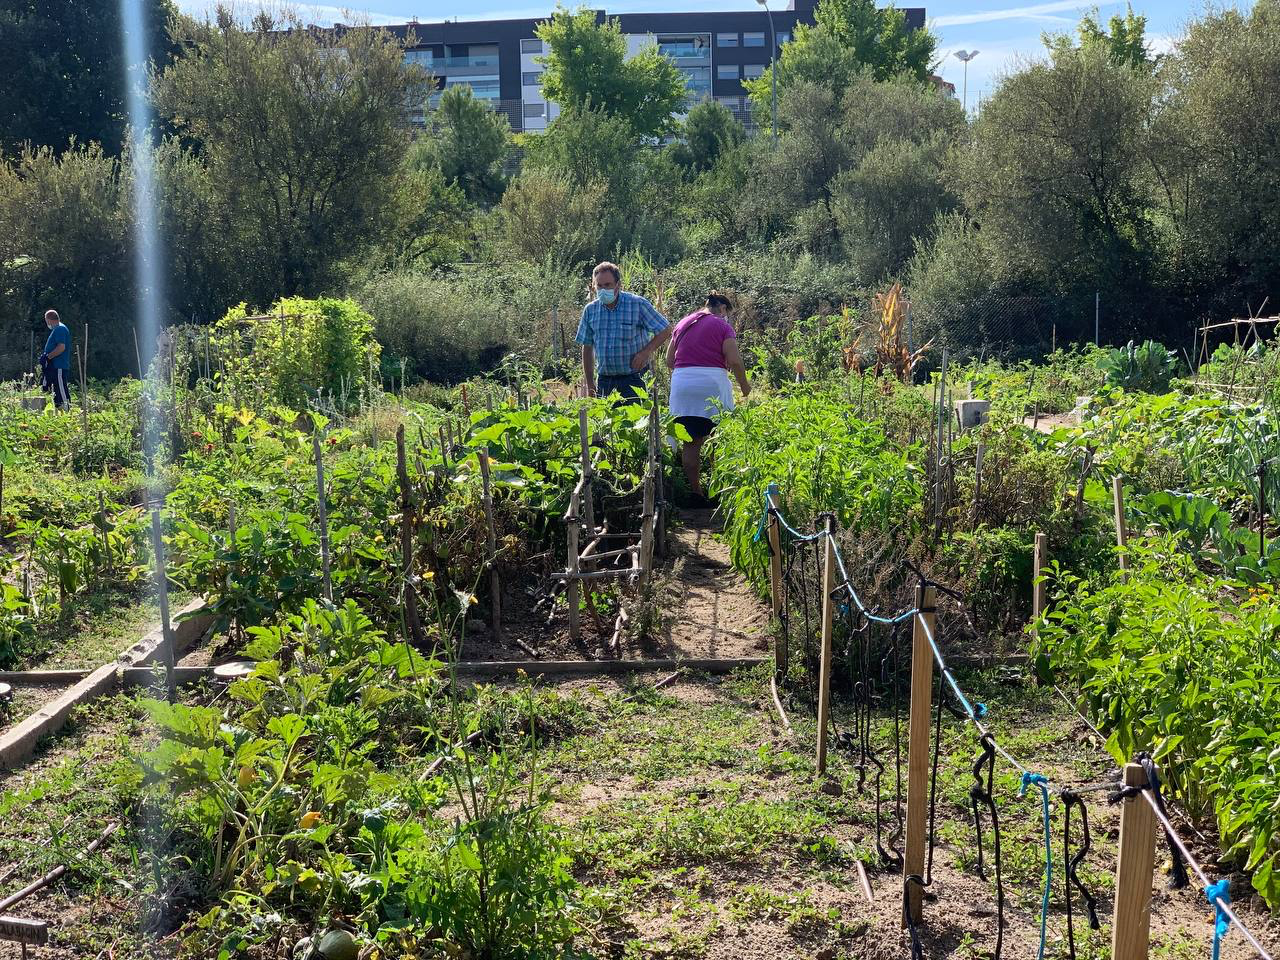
x,y
162,590
1131,931
412,622
977,481
571,535
828,623
918,749
1039,558
1122,528
495,585
589,511
84,394
231,545
102,520
780,652
322,510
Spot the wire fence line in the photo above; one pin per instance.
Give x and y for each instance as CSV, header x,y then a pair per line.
x,y
868,686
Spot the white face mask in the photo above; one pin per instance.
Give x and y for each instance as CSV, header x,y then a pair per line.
x,y
607,297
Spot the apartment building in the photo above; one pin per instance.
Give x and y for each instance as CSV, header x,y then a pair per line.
x,y
716,51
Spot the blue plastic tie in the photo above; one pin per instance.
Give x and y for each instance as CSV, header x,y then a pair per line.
x,y
982,710
1219,894
1029,778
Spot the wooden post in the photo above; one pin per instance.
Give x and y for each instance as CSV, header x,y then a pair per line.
x,y
977,481
1039,559
84,381
828,623
322,511
1131,931
162,590
780,652
231,546
584,436
918,749
412,621
571,591
495,586
1122,529
102,520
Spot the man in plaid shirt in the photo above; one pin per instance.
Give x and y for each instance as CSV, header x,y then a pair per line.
x,y
623,331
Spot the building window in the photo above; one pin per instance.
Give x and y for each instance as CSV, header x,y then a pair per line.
x,y
534,110
531,78
752,70
753,39
733,103
727,71
726,39
530,46
783,37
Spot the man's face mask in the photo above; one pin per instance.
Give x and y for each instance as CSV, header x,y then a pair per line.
x,y
607,297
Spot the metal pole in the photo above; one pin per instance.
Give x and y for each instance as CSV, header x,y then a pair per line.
x,y
965,96
773,72
1097,322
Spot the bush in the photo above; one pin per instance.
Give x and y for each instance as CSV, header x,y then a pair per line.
x,y
300,349
1148,368
449,327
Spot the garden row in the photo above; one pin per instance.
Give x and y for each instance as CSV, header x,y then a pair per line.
x,y
1175,655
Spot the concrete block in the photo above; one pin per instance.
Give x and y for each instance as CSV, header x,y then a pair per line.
x,y
972,412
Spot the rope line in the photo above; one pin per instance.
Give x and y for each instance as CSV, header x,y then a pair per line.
x,y
1217,894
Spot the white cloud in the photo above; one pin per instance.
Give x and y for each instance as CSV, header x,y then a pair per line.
x,y
1038,11
321,14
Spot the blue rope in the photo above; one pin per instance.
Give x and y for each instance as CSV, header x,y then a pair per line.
x,y
782,521
1219,895
1039,780
974,714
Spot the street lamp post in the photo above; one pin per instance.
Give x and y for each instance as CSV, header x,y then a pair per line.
x,y
773,68
964,56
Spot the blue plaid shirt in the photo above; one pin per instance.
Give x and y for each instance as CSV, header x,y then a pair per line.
x,y
618,333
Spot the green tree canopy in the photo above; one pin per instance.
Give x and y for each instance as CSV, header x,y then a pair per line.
x,y
1124,38
303,134
62,70
587,68
469,143
707,132
848,38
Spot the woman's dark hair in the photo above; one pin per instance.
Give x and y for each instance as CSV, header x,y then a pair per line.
x,y
716,298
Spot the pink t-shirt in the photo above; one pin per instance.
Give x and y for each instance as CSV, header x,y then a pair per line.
x,y
699,340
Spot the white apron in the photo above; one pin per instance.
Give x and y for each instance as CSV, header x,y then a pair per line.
x,y
700,392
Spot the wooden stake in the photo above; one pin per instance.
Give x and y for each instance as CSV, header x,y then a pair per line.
x,y
828,623
977,481
412,621
102,519
584,437
1131,931
918,750
137,352
231,545
495,586
865,881
323,513
780,652
1040,559
162,589
1122,529
571,592
84,394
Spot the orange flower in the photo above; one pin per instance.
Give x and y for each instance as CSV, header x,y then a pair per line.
x,y
309,819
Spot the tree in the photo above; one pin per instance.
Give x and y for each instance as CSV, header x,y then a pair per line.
x,y
587,68
303,134
1126,43
1219,171
849,37
62,70
469,143
708,131
545,217
1057,174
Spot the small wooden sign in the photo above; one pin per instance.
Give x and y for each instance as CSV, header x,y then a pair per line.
x,y
20,930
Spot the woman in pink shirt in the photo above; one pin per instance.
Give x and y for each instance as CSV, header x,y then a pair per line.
x,y
702,351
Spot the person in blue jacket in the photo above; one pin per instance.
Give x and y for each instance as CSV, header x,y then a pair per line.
x,y
55,362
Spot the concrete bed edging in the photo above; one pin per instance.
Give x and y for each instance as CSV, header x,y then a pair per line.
x,y
20,741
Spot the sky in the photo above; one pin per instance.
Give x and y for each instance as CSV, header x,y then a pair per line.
x,y
1002,31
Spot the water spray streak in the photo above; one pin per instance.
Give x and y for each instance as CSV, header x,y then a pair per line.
x,y
146,247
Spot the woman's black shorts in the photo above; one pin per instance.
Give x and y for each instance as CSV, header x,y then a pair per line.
x,y
698,427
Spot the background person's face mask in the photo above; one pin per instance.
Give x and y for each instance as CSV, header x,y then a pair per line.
x,y
607,297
